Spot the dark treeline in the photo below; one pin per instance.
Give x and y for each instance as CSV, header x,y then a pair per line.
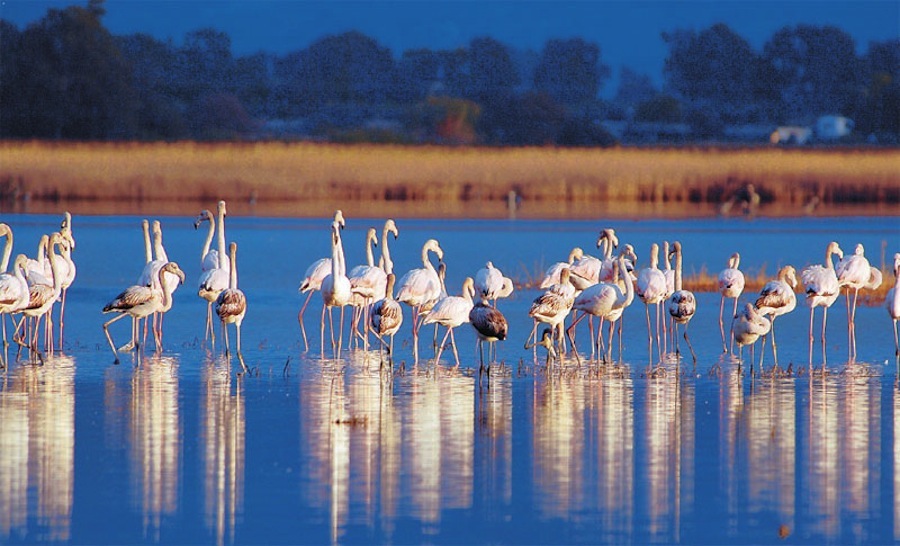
x,y
67,77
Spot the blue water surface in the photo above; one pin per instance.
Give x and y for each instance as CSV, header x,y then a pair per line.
x,y
178,446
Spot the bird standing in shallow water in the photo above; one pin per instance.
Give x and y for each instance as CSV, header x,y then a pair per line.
x,y
139,302
682,304
731,285
748,325
450,312
777,298
491,326
335,290
387,316
420,287
231,305
853,273
822,289
312,281
214,263
651,288
892,304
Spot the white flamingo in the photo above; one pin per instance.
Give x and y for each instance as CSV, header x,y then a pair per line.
x,y
488,282
14,294
853,273
731,285
607,301
42,296
490,325
385,262
139,301
368,283
387,316
68,272
892,304
231,305
682,304
552,275
150,275
312,280
419,287
215,264
822,289
450,312
37,269
777,298
609,242
748,326
552,307
651,288
335,289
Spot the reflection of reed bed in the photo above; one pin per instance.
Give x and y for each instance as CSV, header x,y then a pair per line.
x,y
274,172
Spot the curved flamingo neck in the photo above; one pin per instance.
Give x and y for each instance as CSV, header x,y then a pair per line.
x,y
370,258
386,262
629,284
54,265
7,251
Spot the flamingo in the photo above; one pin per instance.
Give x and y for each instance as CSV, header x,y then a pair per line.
x,y
609,242
853,273
312,280
231,305
488,282
214,264
585,271
65,230
367,283
652,290
14,293
450,312
37,269
335,289
681,304
419,287
607,301
43,296
552,307
731,285
140,301
68,272
892,304
387,315
822,289
777,298
490,325
170,280
747,326
551,276
546,341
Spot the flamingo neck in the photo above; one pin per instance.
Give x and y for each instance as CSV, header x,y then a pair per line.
x,y
54,267
7,251
629,285
654,258
158,247
233,280
370,259
386,262
210,233
678,271
220,242
148,250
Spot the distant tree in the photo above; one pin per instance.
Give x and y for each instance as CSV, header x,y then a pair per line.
x,y
204,65
814,70
419,73
634,88
660,109
13,117
713,71
878,111
345,68
74,82
570,71
254,83
492,74
151,63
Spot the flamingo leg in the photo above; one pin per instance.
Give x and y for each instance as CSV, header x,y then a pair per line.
x,y
731,330
691,347
453,345
62,314
322,331
774,346
824,352
722,324
300,319
440,348
112,345
811,315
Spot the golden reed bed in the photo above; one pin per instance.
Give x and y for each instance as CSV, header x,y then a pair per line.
x,y
307,179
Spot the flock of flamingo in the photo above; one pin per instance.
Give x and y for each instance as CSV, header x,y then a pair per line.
x,y
583,286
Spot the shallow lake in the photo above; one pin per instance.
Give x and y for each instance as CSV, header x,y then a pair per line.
x,y
178,447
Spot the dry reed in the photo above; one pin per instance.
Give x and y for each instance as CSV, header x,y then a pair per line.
x,y
444,181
